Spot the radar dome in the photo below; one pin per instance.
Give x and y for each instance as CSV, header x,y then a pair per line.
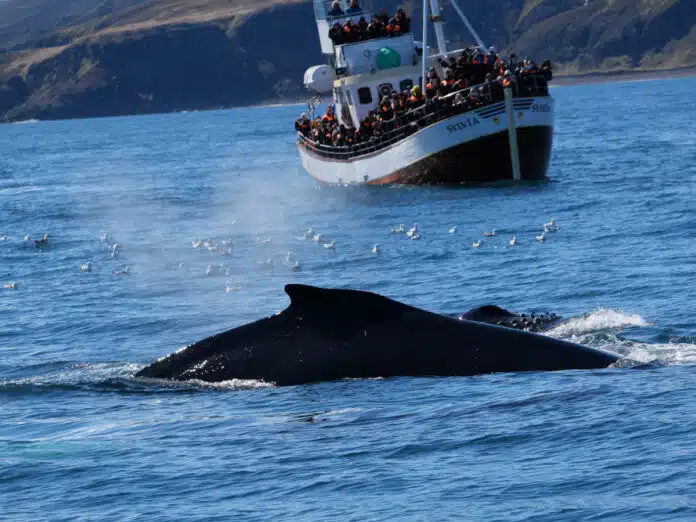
x,y
319,78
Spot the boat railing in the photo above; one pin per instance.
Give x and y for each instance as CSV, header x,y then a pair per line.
x,y
437,109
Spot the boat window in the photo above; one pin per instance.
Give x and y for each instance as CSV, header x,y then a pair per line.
x,y
406,85
385,89
365,95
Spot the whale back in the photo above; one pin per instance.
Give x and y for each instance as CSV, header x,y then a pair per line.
x,y
329,334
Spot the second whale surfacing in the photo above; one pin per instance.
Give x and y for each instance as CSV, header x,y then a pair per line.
x,y
328,335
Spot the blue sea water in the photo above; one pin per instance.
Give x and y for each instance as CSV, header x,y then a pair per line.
x,y
80,439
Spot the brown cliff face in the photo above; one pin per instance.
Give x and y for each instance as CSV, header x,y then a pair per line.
x,y
112,57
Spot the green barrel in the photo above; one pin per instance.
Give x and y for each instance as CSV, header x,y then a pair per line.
x,y
388,58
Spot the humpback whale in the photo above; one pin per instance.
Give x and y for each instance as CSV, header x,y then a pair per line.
x,y
492,314
332,334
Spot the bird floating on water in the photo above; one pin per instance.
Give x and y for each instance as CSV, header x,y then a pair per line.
x,y
41,242
453,230
87,267
104,238
376,250
263,240
551,226
513,241
231,289
3,238
123,271
330,246
26,238
296,267
541,238
413,230
401,229
115,250
10,286
489,234
317,238
414,237
477,243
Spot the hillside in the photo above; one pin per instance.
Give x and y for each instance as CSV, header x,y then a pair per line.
x,y
81,58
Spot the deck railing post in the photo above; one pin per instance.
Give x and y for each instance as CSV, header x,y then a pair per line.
x,y
512,134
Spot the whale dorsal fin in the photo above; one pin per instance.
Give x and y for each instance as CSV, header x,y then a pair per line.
x,y
326,303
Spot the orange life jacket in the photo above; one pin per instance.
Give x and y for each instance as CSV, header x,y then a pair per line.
x,y
330,118
507,83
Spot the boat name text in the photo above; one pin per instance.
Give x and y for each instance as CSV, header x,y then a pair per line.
x,y
541,107
463,125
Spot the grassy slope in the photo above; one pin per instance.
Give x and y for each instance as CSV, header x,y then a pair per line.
x,y
155,55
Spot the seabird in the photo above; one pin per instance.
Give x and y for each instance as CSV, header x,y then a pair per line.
x,y
3,238
41,242
453,230
399,230
115,250
413,230
87,267
10,286
513,241
489,234
263,240
317,238
230,289
542,237
296,267
414,237
330,246
104,238
375,250
477,243
123,271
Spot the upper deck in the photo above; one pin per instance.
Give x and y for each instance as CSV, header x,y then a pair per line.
x,y
325,19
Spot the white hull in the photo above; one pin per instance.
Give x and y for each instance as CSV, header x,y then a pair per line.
x,y
430,150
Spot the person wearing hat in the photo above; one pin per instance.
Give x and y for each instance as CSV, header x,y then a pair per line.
x,y
416,99
508,78
302,125
353,8
336,9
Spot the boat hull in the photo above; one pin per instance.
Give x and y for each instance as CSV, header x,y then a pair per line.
x,y
466,148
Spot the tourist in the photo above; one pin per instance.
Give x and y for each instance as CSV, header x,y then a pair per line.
x,y
336,9
353,8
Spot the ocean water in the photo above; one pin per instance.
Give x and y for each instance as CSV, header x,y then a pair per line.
x,y
80,439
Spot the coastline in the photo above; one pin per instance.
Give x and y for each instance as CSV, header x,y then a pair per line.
x,y
627,75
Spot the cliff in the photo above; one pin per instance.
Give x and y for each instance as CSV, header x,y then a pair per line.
x,y
81,58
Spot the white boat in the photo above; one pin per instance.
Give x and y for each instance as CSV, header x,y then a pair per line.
x,y
506,134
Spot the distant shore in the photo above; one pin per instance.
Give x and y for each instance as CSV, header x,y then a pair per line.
x,y
623,76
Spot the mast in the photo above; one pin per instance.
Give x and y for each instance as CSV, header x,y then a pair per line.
x,y
468,25
424,58
438,24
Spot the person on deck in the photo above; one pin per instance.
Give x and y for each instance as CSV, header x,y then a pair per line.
x,y
336,9
330,116
336,34
403,21
302,125
383,17
375,29
350,32
393,28
353,8
416,99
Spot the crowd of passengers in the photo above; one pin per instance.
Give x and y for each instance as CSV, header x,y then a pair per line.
x,y
380,26
477,76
